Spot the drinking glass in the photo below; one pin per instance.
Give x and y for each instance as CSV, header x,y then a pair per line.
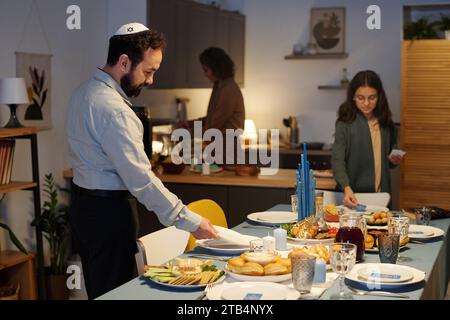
x,y
294,203
342,258
257,245
423,216
400,226
388,246
303,269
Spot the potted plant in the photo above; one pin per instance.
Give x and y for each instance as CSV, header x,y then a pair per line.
x,y
444,25
54,223
420,30
13,238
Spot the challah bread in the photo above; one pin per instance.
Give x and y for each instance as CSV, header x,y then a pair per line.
x,y
251,269
284,262
275,269
235,264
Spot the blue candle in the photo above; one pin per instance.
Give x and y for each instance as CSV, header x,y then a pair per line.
x,y
320,271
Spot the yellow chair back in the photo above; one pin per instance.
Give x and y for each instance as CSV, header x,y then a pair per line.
x,y
210,210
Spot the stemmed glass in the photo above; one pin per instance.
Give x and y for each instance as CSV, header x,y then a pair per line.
x,y
343,259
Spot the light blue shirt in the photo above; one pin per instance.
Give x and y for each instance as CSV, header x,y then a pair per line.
x,y
106,150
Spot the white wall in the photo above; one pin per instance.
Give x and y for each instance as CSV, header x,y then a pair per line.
x,y
76,54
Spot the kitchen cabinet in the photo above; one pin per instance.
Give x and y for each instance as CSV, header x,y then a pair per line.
x,y
190,28
425,119
236,201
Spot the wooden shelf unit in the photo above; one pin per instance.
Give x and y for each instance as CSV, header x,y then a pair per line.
x,y
425,118
16,186
18,268
317,56
329,87
27,133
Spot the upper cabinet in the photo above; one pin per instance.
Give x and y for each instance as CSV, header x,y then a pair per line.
x,y
190,28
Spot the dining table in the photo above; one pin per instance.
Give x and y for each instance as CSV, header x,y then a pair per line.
x,y
429,256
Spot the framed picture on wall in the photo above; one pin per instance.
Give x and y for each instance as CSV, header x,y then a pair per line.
x,y
328,30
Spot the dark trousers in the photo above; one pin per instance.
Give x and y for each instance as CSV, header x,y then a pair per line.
x,y
103,231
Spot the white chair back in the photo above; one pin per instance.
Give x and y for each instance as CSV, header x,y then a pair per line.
x,y
375,199
160,246
332,197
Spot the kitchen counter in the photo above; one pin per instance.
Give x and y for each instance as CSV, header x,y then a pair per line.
x,y
285,178
236,195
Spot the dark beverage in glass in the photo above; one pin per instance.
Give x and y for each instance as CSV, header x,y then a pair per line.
x,y
352,235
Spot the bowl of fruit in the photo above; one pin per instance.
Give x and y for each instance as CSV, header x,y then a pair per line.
x,y
379,218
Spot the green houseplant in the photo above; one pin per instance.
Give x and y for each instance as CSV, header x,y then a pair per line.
x,y
420,30
54,223
13,238
444,25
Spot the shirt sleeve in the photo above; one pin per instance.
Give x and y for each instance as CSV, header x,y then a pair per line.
x,y
123,143
338,157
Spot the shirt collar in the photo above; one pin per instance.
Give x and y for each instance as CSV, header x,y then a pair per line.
x,y
104,77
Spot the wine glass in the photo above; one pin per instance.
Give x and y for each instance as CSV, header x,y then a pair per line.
x,y
343,258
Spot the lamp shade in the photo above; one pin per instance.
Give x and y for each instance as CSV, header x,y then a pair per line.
x,y
13,91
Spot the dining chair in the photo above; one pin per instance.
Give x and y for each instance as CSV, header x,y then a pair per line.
x,y
381,199
375,199
160,246
210,210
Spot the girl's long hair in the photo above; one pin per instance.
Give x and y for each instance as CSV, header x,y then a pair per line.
x,y
348,110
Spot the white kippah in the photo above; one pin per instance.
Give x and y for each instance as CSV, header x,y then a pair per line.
x,y
130,28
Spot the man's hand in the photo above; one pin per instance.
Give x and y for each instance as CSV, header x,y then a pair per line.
x,y
349,198
205,230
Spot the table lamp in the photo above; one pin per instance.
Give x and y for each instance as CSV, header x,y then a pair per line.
x,y
12,93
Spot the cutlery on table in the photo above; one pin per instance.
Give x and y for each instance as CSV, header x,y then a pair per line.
x,y
207,256
205,292
379,293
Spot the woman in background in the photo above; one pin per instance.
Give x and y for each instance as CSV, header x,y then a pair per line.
x,y
364,138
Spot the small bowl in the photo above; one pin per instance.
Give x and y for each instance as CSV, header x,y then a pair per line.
x,y
261,257
172,168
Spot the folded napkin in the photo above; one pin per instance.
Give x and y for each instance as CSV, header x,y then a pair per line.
x,y
229,237
319,288
316,291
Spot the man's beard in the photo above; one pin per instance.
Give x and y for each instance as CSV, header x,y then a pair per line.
x,y
130,89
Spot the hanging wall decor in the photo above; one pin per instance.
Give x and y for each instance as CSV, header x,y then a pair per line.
x,y
36,69
328,30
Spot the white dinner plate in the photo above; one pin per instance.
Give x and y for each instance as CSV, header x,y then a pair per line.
x,y
252,291
226,249
353,275
424,232
369,209
385,273
243,277
195,286
271,217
